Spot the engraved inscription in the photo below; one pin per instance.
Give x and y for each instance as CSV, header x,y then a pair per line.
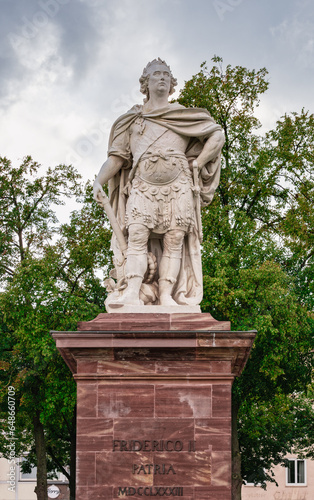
x,y
191,446
151,491
147,445
152,469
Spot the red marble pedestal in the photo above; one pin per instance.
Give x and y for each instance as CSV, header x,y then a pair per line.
x,y
154,404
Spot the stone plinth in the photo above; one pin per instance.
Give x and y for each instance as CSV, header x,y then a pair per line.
x,y
154,404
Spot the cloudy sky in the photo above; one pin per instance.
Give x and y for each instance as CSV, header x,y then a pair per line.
x,y
69,68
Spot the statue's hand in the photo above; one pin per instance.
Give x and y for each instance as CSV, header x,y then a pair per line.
x,y
197,165
98,191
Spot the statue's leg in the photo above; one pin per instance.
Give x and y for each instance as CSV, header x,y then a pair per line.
x,y
170,265
136,263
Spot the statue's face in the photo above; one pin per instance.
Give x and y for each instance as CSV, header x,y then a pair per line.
x,y
159,81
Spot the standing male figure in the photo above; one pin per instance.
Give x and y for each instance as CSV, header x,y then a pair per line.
x,y
153,150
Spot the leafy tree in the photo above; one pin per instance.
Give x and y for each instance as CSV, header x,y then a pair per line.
x,y
27,225
292,146
257,261
50,283
27,220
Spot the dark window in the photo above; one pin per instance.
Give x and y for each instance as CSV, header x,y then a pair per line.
x,y
296,472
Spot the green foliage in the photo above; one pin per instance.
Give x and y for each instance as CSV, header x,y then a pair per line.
x,y
284,422
27,220
293,144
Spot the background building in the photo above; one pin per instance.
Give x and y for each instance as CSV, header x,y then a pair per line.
x,y
25,484
294,483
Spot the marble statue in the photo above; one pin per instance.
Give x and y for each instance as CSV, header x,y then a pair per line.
x,y
163,165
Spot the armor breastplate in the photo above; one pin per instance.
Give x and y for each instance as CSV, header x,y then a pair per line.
x,y
158,168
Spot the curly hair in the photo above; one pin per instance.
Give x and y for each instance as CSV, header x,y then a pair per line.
x,y
145,77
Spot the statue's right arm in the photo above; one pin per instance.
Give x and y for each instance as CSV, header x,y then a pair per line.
x,y
110,168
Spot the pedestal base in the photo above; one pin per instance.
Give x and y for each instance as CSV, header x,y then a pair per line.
x,y
154,405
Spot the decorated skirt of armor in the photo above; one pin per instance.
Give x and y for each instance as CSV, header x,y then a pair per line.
x,y
161,196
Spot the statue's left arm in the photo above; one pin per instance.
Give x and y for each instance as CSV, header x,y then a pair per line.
x,y
211,149
208,165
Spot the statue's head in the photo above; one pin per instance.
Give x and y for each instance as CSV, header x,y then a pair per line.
x,y
146,73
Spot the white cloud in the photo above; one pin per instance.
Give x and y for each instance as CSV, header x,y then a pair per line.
x,y
296,38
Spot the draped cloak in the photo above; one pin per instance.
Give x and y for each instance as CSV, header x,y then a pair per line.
x,y
198,126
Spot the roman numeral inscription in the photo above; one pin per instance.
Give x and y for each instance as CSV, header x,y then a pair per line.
x,y
151,491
